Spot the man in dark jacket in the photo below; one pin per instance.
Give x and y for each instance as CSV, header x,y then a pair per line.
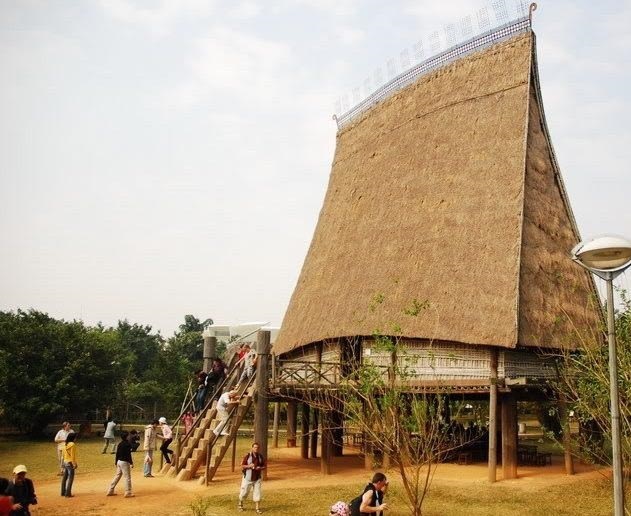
x,y
252,465
22,491
123,463
371,500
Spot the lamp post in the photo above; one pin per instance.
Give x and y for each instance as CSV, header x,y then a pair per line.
x,y
607,257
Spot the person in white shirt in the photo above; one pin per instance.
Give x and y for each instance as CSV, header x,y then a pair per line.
x,y
109,436
60,441
167,438
225,400
150,446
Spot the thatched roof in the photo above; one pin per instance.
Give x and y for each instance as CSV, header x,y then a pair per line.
x,y
448,192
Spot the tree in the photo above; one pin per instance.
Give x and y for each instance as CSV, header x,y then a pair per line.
x,y
409,427
584,383
53,368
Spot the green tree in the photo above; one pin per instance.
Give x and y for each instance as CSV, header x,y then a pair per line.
x,y
584,383
54,368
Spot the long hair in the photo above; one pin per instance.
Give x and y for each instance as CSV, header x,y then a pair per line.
x,y
71,437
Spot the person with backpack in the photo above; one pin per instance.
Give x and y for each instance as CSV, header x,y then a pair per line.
x,y
371,500
252,465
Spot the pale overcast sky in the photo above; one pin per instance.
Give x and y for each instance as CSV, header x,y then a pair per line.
x,y
160,158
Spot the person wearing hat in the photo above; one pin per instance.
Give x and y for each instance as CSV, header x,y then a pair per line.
x,y
167,438
22,491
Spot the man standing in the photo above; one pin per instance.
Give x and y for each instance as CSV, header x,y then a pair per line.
x,y
150,446
109,435
167,438
225,400
60,440
124,463
22,491
251,466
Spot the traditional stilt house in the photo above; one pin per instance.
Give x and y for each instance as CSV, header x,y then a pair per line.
x,y
448,192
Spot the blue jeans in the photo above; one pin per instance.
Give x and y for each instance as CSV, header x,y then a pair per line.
x,y
67,479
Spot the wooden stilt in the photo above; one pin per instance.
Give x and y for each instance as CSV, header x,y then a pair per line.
x,y
493,416
292,420
567,436
509,435
314,436
325,444
304,427
276,420
262,374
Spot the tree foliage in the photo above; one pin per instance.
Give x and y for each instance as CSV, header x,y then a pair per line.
x,y
585,385
378,400
52,369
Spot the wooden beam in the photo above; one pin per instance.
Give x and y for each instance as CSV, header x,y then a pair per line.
x,y
493,415
304,427
261,419
314,435
325,444
210,346
292,421
509,436
276,420
567,437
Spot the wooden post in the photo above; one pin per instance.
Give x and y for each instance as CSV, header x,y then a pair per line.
x,y
314,435
337,433
567,437
210,347
509,435
260,412
234,452
368,455
325,444
493,415
292,422
304,428
276,418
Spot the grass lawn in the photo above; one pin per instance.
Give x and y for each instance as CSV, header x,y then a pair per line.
x,y
296,487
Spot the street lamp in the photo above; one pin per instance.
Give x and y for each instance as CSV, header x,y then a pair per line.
x,y
607,257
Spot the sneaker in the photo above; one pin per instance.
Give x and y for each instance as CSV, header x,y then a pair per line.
x,y
240,507
259,511
110,494
149,476
129,495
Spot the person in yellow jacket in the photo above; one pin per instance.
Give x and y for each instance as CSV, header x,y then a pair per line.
x,y
70,465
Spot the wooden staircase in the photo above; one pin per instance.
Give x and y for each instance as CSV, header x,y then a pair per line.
x,y
193,453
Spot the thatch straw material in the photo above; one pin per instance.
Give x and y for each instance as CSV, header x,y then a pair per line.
x,y
426,201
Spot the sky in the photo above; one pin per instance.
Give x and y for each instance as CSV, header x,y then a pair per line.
x,y
162,158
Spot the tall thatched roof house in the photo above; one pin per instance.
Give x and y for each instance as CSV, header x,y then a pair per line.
x,y
447,192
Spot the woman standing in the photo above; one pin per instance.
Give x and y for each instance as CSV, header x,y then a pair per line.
x,y
70,465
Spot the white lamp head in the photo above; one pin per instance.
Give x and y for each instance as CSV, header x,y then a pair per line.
x,y
606,253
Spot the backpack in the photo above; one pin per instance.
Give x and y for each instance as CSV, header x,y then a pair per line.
x,y
355,504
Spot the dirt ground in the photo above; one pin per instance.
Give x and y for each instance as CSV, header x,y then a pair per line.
x,y
165,495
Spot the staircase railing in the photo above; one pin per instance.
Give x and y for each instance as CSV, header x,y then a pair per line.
x,y
234,411
227,383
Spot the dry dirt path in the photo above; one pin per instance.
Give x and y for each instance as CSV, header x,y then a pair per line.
x,y
166,496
